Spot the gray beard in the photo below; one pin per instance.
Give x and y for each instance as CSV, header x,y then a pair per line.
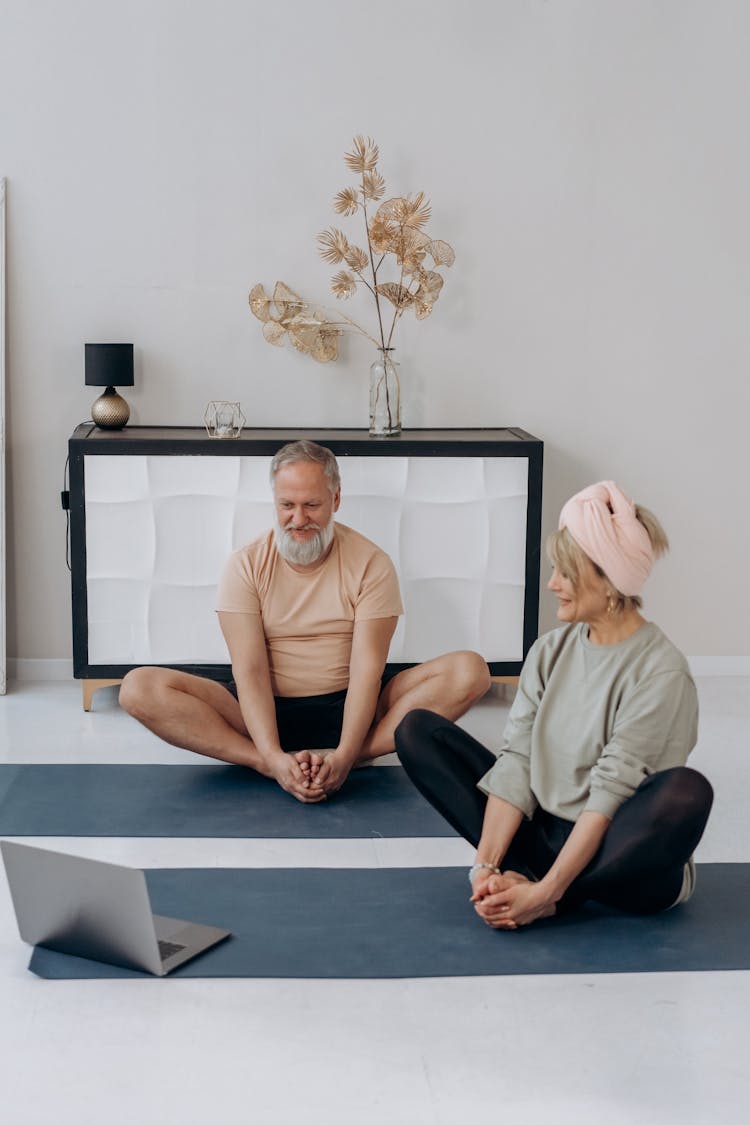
x,y
306,552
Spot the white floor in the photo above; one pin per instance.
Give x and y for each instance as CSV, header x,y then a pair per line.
x,y
635,1049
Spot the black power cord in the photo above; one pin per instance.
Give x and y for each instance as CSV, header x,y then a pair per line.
x,y
65,497
65,502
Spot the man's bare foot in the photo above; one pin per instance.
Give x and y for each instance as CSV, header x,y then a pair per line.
x,y
310,762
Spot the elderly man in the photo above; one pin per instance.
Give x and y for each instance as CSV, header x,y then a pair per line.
x,y
308,611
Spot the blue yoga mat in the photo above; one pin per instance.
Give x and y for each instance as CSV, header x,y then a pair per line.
x,y
417,922
215,801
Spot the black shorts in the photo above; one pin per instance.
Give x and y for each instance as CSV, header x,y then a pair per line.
x,y
311,722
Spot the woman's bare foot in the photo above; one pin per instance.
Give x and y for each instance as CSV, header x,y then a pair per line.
x,y
516,877
520,902
505,879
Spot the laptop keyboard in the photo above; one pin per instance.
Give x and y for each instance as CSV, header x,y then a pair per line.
x,y
168,948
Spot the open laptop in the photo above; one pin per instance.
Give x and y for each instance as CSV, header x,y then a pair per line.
x,y
97,910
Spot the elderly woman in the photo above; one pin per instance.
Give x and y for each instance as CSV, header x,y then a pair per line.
x,y
589,798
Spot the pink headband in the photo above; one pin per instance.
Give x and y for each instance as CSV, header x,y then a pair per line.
x,y
603,522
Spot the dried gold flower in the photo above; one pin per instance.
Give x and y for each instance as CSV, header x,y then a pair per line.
x,y
307,329
382,234
411,263
441,253
259,302
407,210
286,301
373,185
398,295
357,258
418,210
431,282
364,157
333,246
274,332
407,245
343,284
326,345
428,291
302,333
347,201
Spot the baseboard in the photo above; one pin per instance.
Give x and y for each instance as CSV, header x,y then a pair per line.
x,y
719,665
20,668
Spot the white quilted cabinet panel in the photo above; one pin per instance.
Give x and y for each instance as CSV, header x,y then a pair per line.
x,y
441,614
182,625
444,540
159,528
192,476
377,517
446,480
373,476
114,480
120,539
193,538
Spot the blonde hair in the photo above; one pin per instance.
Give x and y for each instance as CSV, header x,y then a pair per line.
x,y
570,559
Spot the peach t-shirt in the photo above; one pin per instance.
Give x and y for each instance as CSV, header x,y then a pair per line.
x,y
308,618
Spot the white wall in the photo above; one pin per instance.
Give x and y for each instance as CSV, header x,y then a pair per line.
x,y
587,160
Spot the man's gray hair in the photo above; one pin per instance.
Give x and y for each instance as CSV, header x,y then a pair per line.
x,y
307,451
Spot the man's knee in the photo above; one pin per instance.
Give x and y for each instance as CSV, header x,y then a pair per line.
x,y
470,675
138,691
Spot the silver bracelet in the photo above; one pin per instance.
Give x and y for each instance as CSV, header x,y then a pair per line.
x,y
482,867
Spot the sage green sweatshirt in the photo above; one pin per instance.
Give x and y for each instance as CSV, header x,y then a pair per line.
x,y
590,722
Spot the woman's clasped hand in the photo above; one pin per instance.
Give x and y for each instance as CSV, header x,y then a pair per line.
x,y
509,900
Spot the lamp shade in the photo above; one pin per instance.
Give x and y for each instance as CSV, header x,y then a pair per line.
x,y
109,365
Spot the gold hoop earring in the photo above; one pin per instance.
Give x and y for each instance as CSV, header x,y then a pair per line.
x,y
611,605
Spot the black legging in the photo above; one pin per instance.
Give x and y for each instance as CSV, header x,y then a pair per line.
x,y
639,866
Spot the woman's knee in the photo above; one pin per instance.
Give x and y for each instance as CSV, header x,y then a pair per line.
x,y
684,794
694,792
414,735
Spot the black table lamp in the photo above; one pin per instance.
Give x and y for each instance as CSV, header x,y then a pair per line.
x,y
110,366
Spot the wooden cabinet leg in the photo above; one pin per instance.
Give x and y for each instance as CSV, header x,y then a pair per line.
x,y
505,682
90,686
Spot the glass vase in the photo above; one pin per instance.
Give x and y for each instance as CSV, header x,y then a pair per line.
x,y
385,395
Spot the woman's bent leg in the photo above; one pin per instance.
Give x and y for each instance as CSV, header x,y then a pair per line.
x,y
445,763
640,865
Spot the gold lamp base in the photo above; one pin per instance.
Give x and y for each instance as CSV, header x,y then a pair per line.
x,y
110,411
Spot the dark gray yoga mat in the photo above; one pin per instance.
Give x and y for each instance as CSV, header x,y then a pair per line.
x,y
216,801
417,922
